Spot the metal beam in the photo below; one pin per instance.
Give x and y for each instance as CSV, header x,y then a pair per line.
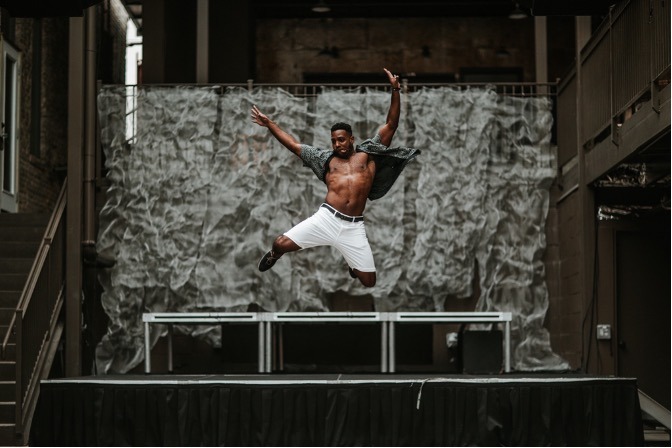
x,y
541,51
90,129
73,262
586,215
202,41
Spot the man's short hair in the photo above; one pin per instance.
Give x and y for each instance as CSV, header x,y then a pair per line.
x,y
345,126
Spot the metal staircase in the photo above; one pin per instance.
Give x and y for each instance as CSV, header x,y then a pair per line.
x,y
32,280
20,236
656,420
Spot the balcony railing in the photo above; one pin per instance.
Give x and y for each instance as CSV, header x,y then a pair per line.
x,y
625,63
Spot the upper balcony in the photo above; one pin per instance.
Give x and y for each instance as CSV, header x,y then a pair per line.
x,y
621,94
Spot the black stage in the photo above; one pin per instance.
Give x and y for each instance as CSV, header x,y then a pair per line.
x,y
327,410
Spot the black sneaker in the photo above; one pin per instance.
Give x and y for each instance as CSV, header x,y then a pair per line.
x,y
267,261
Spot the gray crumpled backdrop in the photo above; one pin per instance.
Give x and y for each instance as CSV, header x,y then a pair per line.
x,y
200,192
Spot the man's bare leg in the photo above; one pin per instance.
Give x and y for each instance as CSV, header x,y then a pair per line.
x,y
368,279
281,245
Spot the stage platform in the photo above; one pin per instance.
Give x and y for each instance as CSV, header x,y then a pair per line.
x,y
338,410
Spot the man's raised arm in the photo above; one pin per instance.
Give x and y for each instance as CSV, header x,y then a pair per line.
x,y
387,131
287,140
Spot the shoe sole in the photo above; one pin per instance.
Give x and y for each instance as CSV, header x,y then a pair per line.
x,y
264,265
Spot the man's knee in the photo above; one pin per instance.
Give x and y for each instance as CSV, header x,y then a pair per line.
x,y
367,279
284,244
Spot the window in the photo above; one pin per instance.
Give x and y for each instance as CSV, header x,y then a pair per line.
x,y
9,68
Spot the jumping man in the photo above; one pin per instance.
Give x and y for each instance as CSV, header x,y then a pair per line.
x,y
352,174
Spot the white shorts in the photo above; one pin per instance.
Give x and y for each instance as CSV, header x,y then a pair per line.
x,y
325,229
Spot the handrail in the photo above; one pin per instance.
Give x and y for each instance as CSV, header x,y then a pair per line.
x,y
612,85
251,83
654,409
516,89
38,263
35,326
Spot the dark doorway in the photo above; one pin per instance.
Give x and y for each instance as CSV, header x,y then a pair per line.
x,y
643,309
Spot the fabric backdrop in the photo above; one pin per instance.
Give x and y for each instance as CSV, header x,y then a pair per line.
x,y
198,193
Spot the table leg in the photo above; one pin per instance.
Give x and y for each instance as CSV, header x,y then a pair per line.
x,y
261,352
148,351
391,354
170,348
269,347
507,346
383,347
281,348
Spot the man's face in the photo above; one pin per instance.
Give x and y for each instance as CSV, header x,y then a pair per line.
x,y
342,142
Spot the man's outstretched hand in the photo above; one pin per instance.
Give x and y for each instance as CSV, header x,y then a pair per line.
x,y
259,118
394,79
287,140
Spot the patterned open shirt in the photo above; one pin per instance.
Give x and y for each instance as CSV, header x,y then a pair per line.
x,y
390,162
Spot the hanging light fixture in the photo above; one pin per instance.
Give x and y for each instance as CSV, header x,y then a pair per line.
x,y
321,7
517,13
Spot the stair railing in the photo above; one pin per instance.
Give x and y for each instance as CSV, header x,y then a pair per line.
x,y
654,409
37,313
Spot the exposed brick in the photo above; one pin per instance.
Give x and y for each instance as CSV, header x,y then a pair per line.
x,y
41,175
287,48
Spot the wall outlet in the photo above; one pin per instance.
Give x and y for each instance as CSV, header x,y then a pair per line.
x,y
604,331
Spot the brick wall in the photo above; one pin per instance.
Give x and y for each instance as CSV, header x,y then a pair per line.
x,y
112,61
288,48
564,316
39,177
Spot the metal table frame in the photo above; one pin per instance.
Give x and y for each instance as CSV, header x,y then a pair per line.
x,y
345,317
171,319
265,322
451,317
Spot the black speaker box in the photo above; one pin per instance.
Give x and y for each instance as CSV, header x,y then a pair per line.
x,y
481,352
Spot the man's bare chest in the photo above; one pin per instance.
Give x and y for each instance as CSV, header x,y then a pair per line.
x,y
356,165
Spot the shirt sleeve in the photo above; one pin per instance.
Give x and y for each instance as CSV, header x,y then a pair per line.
x,y
315,159
372,145
309,154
